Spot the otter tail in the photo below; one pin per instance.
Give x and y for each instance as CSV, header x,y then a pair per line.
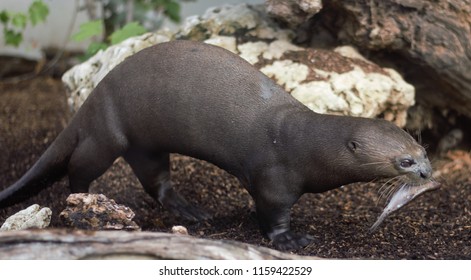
x,y
51,166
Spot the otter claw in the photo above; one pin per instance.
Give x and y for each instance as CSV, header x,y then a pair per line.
x,y
289,240
180,207
190,212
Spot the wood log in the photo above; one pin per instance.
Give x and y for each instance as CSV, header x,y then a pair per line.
x,y
434,38
67,244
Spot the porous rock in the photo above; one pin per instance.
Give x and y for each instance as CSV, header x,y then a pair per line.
x,y
31,217
293,12
81,79
337,81
334,83
97,212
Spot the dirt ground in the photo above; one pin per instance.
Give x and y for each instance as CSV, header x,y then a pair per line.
x,y
437,225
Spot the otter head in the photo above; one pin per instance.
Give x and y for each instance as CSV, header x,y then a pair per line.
x,y
384,150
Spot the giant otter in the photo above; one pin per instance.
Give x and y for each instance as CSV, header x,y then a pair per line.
x,y
203,101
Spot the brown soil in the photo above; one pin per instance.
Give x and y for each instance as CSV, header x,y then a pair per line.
x,y
435,226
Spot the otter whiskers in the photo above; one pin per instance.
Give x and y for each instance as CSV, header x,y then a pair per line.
x,y
389,187
380,164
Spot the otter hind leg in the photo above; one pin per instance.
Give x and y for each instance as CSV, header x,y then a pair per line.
x,y
88,162
153,172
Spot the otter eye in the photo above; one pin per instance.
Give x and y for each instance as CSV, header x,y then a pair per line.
x,y
406,163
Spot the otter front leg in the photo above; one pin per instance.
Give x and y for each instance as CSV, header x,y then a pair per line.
x,y
274,197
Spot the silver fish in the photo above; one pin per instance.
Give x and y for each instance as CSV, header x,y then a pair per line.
x,y
403,196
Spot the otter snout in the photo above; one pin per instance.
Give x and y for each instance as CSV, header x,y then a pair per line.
x,y
425,172
422,171
418,169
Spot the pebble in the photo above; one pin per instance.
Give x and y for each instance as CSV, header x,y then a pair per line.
x,y
32,217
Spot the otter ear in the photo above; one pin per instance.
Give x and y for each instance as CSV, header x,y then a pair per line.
x,y
353,146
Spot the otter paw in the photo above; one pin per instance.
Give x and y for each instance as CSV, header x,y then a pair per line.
x,y
180,207
192,213
289,240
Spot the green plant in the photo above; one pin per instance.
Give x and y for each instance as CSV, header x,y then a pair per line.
x,y
14,23
125,19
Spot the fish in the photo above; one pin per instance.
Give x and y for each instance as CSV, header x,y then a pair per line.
x,y
402,197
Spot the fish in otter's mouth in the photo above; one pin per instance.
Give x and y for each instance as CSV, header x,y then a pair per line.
x,y
405,194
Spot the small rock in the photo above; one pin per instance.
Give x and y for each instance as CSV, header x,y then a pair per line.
x,y
31,217
97,212
179,230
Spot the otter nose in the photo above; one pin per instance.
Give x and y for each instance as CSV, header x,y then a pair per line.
x,y
425,173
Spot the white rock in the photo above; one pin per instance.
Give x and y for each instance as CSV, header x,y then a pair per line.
x,y
252,51
277,48
227,42
180,230
287,73
350,52
225,19
319,97
83,78
293,12
363,94
31,217
355,92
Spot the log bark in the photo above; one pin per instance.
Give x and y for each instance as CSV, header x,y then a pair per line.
x,y
435,35
66,244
